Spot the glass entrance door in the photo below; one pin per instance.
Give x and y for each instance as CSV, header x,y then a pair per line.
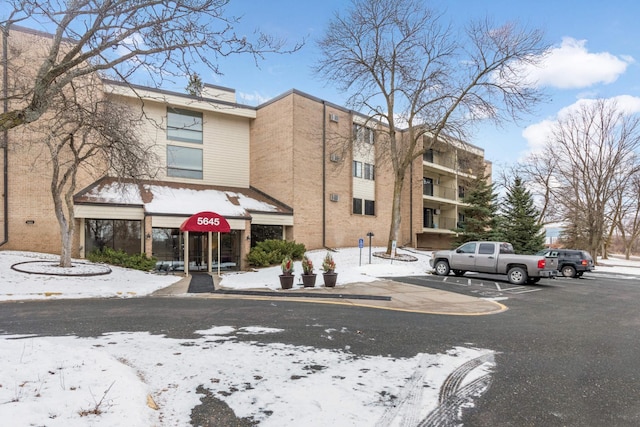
x,y
198,244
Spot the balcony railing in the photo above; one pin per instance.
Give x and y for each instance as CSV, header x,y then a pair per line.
x,y
447,161
439,222
436,190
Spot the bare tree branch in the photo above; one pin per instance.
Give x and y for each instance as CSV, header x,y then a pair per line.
x,y
422,82
127,39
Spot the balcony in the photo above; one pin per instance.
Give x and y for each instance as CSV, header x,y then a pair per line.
x,y
439,224
439,191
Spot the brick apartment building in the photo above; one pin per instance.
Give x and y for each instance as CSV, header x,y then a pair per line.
x,y
296,167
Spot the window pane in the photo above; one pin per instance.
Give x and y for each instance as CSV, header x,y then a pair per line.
x,y
427,186
369,171
184,162
369,207
486,248
369,136
115,234
357,169
357,206
184,125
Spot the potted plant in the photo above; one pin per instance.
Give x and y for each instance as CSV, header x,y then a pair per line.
x,y
308,276
329,275
286,278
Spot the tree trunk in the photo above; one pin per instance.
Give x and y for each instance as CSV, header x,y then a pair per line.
x,y
66,233
394,230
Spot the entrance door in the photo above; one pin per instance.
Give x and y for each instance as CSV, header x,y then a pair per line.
x,y
198,244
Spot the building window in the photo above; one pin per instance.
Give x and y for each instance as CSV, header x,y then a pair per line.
x,y
427,186
461,221
369,207
427,218
114,234
357,169
184,125
357,206
369,171
428,155
363,134
260,233
184,162
460,192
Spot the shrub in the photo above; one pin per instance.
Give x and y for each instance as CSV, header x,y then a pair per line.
x,y
120,258
273,251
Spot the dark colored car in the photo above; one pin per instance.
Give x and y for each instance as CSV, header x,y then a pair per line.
x,y
571,262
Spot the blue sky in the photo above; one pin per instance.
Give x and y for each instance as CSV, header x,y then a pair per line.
x,y
595,54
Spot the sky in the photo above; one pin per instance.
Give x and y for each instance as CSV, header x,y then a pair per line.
x,y
594,54
140,380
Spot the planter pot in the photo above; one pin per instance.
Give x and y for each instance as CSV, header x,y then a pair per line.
x,y
330,279
286,281
309,280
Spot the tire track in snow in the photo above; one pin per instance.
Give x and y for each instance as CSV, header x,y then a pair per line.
x,y
453,381
448,413
408,403
452,396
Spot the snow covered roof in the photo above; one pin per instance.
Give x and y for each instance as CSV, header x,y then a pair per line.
x,y
172,198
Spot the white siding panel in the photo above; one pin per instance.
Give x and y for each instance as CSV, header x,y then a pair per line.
x,y
364,189
263,219
226,152
109,212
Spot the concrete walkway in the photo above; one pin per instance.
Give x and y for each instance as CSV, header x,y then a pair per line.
x,y
381,294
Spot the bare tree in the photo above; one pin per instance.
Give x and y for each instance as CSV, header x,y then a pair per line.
x,y
596,148
413,75
537,171
628,224
84,131
126,38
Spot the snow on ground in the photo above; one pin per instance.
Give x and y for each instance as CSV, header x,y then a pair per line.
x,y
121,282
139,379
114,380
352,265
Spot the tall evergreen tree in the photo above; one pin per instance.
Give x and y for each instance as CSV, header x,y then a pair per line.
x,y
519,220
480,216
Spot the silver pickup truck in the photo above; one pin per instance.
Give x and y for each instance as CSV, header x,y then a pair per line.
x,y
494,258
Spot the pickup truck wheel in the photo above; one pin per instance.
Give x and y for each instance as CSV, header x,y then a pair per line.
x,y
568,271
441,268
517,276
459,272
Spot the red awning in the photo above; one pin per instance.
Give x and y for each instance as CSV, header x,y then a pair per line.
x,y
206,221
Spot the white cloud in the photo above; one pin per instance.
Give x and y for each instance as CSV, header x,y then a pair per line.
x,y
252,98
537,133
571,66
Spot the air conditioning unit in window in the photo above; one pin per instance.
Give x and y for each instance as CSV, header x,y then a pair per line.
x,y
333,117
334,197
335,157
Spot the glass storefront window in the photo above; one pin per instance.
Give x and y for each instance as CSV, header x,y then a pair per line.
x,y
265,232
125,235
